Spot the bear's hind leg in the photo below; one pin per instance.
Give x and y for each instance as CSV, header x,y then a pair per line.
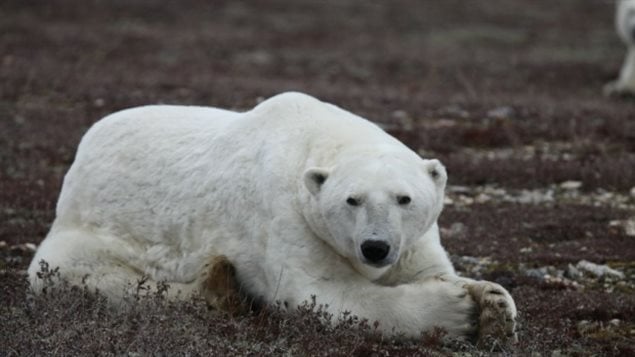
x,y
99,263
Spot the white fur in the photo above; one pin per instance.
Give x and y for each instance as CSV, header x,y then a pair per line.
x,y
625,26
159,190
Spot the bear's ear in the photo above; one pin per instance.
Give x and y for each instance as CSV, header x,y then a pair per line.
x,y
314,178
437,172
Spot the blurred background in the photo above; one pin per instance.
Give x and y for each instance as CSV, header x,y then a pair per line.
x,y
376,57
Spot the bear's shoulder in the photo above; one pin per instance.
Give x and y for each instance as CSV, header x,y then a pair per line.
x,y
287,99
290,106
294,109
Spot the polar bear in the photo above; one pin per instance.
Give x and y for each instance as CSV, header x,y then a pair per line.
x,y
303,198
625,25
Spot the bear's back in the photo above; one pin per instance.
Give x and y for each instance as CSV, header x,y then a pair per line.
x,y
155,119
301,121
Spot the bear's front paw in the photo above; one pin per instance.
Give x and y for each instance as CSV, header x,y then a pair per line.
x,y
497,313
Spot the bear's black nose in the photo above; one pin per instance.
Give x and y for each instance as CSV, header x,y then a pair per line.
x,y
375,250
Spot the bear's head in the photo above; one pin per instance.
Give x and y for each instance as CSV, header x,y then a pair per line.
x,y
372,209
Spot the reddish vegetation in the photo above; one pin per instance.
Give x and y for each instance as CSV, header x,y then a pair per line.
x,y
478,84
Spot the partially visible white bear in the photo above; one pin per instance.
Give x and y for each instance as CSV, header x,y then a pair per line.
x,y
625,25
302,197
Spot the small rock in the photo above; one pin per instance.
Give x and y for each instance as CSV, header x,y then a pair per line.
x,y
30,247
470,260
14,259
552,279
260,57
539,273
573,272
455,111
444,123
19,120
404,119
483,198
7,60
585,326
599,270
535,197
627,225
501,113
3,245
23,249
459,189
400,114
633,191
571,185
473,266
615,322
457,228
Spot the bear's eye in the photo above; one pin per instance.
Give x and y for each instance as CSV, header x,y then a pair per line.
x,y
403,200
353,201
